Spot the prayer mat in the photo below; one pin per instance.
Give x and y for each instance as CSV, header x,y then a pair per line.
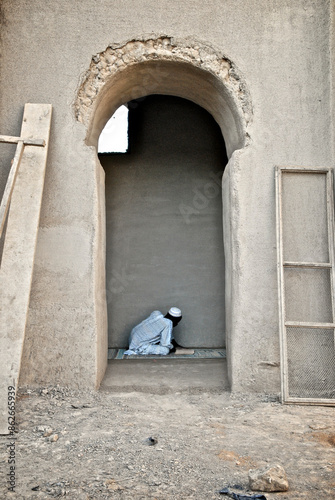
x,y
181,353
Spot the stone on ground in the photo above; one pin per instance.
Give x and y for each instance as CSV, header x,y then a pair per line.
x,y
269,478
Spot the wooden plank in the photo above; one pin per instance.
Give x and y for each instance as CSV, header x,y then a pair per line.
x,y
313,265
310,401
19,251
331,218
27,142
310,170
281,303
10,185
302,324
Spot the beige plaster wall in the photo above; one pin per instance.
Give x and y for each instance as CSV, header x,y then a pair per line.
x,y
282,50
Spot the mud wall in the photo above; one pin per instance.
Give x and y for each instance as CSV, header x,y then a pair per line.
x,y
283,52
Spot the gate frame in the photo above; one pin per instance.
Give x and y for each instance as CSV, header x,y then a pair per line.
x,y
281,264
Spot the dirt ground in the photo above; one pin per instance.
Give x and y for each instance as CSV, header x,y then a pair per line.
x,y
94,445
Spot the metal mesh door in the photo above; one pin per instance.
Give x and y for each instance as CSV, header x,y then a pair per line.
x,y
305,227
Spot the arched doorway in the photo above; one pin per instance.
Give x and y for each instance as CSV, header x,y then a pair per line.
x,y
164,236
181,68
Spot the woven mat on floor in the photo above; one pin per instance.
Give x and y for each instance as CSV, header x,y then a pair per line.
x,y
179,354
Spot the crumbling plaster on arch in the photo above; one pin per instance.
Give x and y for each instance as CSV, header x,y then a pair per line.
x,y
118,57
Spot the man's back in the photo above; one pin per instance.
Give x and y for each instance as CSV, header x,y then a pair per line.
x,y
152,336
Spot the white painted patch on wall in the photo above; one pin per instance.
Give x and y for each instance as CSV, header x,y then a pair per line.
x,y
114,137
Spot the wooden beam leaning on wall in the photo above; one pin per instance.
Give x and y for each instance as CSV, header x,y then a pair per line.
x,y
19,249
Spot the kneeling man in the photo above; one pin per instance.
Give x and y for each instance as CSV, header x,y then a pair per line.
x,y
154,334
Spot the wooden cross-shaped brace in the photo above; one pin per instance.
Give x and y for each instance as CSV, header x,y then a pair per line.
x,y
21,143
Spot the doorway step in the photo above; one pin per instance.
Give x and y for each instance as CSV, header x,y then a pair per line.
x,y
166,375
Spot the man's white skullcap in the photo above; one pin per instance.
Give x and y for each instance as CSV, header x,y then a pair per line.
x,y
175,312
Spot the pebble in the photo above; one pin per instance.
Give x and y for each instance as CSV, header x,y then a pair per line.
x,y
41,428
318,427
48,432
151,441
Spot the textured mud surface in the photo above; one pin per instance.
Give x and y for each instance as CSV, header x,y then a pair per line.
x,y
118,57
85,445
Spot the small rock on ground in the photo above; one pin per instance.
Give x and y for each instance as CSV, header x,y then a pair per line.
x,y
269,478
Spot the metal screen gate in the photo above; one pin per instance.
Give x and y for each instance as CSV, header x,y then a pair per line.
x,y
305,242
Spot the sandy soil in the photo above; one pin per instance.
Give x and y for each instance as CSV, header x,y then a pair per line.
x,y
94,445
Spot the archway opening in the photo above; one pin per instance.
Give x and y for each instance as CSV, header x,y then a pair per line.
x,y
173,78
183,68
164,222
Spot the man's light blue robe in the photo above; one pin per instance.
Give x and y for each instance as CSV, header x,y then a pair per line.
x,y
152,336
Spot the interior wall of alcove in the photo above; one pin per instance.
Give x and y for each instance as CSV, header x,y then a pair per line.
x,y
164,222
